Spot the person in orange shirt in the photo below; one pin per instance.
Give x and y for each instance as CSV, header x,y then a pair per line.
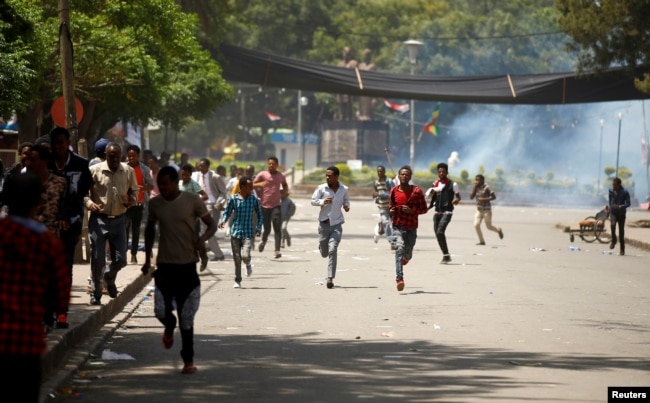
x,y
134,213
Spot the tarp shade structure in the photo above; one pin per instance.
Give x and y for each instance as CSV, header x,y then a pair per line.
x,y
268,70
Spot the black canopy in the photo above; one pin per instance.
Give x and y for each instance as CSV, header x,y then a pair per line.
x,y
250,66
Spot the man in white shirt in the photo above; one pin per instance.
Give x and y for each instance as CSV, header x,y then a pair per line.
x,y
331,197
215,188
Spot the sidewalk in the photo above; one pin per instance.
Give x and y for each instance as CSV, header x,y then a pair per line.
x,y
87,321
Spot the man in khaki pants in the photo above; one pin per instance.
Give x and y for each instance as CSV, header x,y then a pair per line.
x,y
484,195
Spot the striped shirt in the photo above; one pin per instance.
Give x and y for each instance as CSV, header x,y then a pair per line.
x,y
192,186
243,211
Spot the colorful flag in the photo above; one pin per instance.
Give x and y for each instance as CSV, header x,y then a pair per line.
x,y
273,117
401,108
432,126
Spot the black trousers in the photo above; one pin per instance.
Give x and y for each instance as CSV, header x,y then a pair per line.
x,y
133,217
272,216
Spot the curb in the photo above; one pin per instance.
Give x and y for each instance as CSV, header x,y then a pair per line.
x,y
65,357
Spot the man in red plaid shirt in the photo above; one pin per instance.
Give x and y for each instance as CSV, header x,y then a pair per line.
x,y
34,276
406,204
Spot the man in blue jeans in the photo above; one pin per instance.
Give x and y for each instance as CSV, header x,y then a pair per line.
x,y
113,190
619,201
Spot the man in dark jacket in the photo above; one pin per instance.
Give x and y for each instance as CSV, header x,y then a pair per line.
x,y
444,197
619,201
74,169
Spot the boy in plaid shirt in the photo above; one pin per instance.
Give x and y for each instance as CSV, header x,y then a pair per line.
x,y
243,206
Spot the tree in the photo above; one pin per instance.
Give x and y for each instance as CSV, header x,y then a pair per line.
x,y
133,61
22,56
608,33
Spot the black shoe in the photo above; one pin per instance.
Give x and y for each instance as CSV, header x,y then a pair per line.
x,y
134,259
481,243
612,245
445,259
500,234
95,301
261,246
330,283
112,290
109,279
289,242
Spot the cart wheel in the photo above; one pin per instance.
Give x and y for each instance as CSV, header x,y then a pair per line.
x,y
588,232
602,234
571,238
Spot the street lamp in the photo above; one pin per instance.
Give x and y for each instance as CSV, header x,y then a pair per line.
x,y
618,147
600,158
412,46
302,101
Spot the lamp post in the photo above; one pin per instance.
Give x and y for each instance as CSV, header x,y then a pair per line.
x,y
600,155
618,147
302,101
412,46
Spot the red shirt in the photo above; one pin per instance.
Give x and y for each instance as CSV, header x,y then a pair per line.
x,y
33,273
139,178
414,198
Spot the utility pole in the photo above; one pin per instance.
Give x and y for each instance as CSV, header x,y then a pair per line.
x,y
67,75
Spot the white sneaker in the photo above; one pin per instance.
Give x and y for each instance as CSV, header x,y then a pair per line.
x,y
237,285
249,270
375,238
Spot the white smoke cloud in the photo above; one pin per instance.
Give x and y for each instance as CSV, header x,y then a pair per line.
x,y
562,139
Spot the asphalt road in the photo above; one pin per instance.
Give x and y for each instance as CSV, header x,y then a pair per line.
x,y
520,319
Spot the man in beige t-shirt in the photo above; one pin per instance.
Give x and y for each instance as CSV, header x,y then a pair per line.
x,y
179,249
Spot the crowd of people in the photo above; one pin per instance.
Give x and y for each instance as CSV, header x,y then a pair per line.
x,y
51,191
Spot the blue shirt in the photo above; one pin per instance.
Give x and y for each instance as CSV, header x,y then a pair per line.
x,y
332,211
622,198
243,211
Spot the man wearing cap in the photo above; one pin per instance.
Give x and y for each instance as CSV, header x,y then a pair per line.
x,y
114,189
100,151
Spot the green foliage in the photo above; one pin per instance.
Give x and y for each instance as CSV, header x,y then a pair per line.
x,y
609,171
549,176
464,175
134,61
22,55
624,173
608,33
433,168
531,175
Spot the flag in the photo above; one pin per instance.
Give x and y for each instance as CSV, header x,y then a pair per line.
x,y
432,126
401,108
273,117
